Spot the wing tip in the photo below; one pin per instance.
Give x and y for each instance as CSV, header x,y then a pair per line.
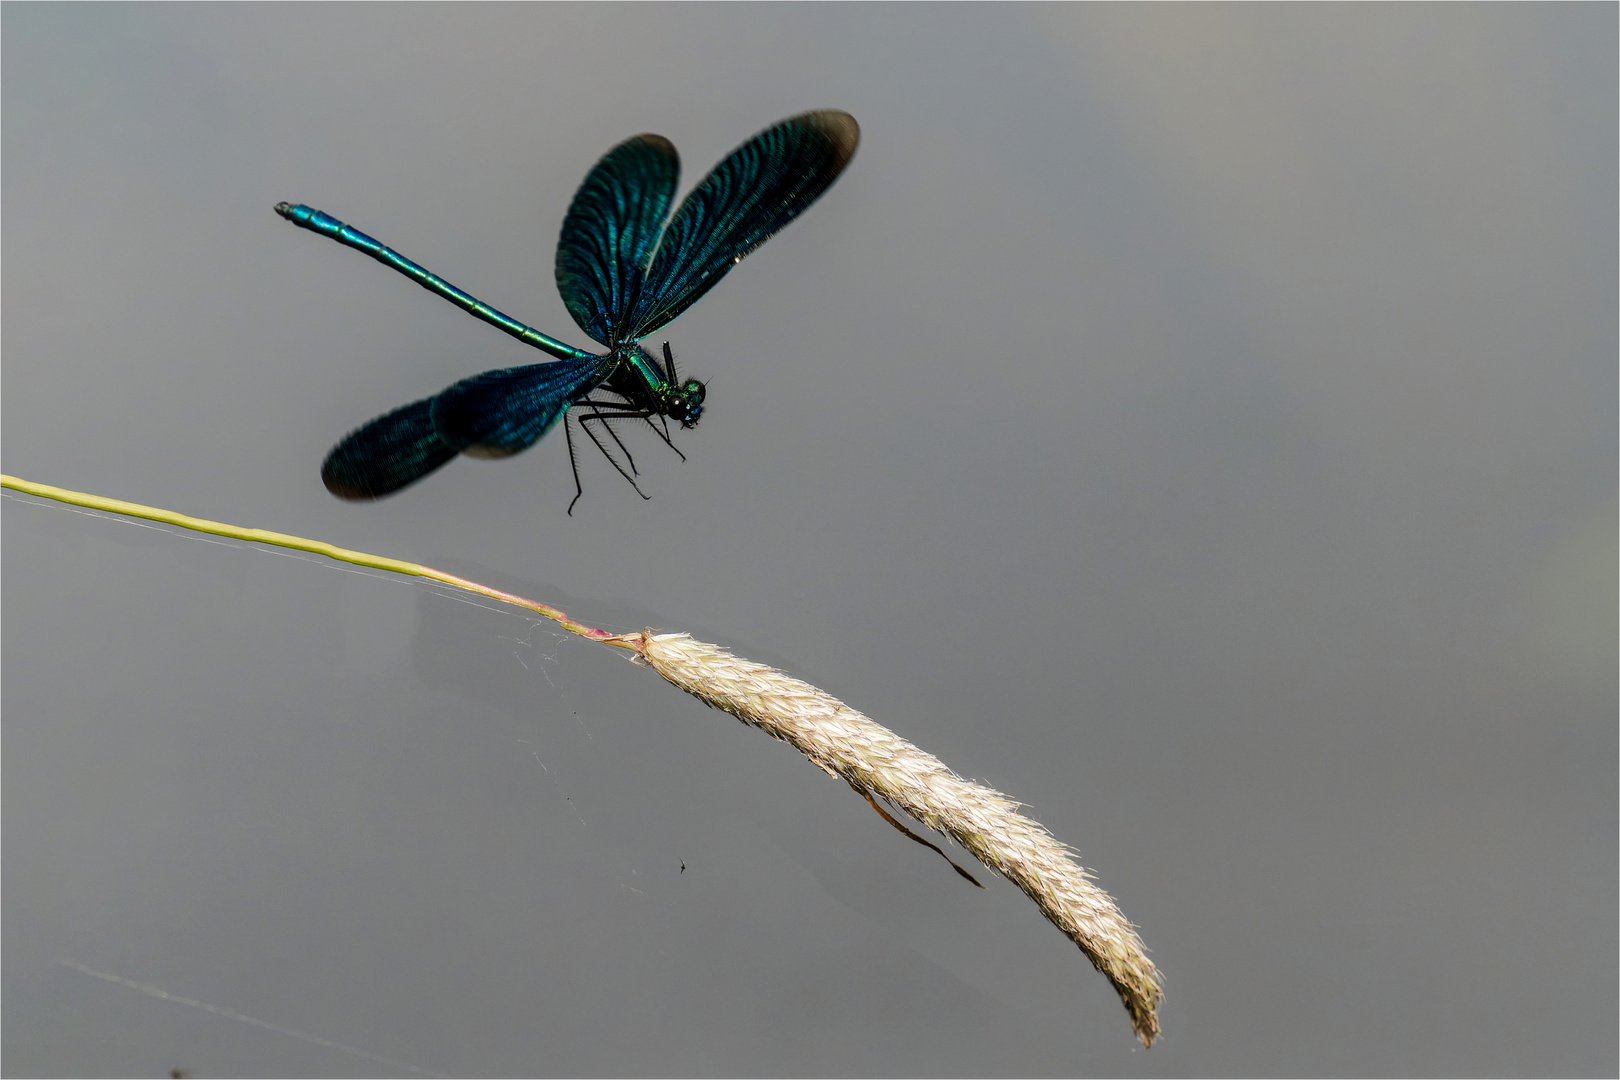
x,y
655,142
841,129
346,487
352,477
342,483
386,454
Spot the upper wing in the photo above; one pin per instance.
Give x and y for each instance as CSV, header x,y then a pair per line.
x,y
501,412
610,228
764,184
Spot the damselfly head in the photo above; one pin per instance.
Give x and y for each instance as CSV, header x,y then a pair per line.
x,y
685,404
681,401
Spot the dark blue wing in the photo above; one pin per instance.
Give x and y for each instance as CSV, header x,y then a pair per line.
x,y
386,454
610,228
764,184
494,414
501,412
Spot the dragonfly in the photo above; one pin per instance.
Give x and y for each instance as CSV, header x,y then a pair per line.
x,y
625,268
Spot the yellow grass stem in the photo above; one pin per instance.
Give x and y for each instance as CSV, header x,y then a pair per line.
x,y
842,742
298,543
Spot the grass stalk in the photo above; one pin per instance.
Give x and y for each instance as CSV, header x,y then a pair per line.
x,y
836,738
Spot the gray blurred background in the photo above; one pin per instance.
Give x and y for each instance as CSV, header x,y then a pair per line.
x,y
1197,422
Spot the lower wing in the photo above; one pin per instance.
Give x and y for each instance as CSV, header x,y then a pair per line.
x,y
495,414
